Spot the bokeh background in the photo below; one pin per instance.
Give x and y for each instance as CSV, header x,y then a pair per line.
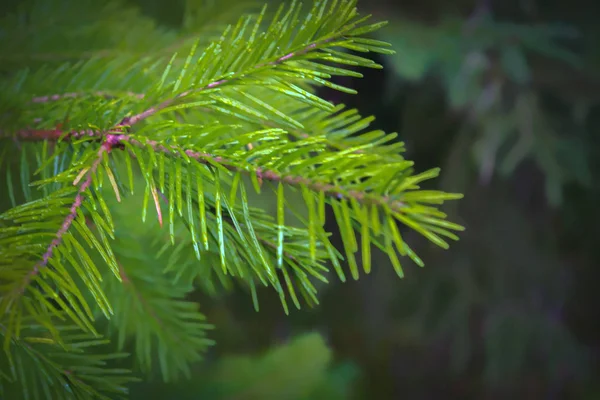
x,y
504,95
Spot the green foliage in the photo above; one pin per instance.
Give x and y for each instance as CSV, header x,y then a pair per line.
x,y
516,101
272,376
485,67
301,369
499,299
180,131
37,366
149,302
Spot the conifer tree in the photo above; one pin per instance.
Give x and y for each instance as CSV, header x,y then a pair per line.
x,y
135,159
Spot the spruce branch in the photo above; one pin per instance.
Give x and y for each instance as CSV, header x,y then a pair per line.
x,y
190,129
162,316
118,140
84,180
128,121
328,189
57,368
24,276
56,134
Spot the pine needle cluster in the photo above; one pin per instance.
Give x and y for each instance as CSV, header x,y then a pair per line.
x,y
133,157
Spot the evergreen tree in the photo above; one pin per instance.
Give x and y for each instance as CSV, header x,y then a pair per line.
x,y
137,160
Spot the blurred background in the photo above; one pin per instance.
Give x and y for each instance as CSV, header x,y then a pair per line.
x,y
504,95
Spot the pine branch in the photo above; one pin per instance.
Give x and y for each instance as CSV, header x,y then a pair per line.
x,y
20,278
118,141
85,178
151,111
262,173
196,126
161,315
56,134
48,369
331,190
